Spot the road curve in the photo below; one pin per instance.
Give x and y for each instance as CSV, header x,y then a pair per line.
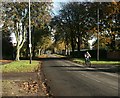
x,y
66,78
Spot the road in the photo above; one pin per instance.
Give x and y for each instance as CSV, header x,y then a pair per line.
x,y
66,78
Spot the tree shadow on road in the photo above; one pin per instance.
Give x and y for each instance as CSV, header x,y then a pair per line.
x,y
110,69
52,58
97,68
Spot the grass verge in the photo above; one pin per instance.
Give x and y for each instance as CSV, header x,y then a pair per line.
x,y
94,62
81,61
58,55
42,56
20,66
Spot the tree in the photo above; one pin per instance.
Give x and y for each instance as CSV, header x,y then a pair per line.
x,y
73,22
108,19
16,19
77,23
41,40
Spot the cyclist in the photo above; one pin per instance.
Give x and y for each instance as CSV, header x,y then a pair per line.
x,y
87,58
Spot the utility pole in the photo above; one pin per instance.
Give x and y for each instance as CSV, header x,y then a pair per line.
x,y
30,45
98,34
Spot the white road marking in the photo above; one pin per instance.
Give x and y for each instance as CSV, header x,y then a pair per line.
x,y
90,78
110,74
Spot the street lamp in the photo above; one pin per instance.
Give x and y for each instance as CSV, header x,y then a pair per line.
x,y
30,45
98,20
98,35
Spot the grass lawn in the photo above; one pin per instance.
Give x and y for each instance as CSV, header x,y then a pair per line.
x,y
20,66
97,62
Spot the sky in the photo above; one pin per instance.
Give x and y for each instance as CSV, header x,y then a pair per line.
x,y
56,4
56,7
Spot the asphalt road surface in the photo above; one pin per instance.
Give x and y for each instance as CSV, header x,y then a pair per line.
x,y
66,78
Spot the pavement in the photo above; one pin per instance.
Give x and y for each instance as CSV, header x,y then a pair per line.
x,y
23,84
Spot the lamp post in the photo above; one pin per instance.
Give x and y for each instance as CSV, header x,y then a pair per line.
x,y
30,45
98,34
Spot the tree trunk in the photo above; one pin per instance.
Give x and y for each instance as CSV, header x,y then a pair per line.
x,y
39,52
27,51
72,36
80,40
34,43
113,42
72,44
78,35
18,54
33,51
27,43
66,45
78,43
65,49
20,44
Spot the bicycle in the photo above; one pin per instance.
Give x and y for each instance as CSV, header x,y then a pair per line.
x,y
87,62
